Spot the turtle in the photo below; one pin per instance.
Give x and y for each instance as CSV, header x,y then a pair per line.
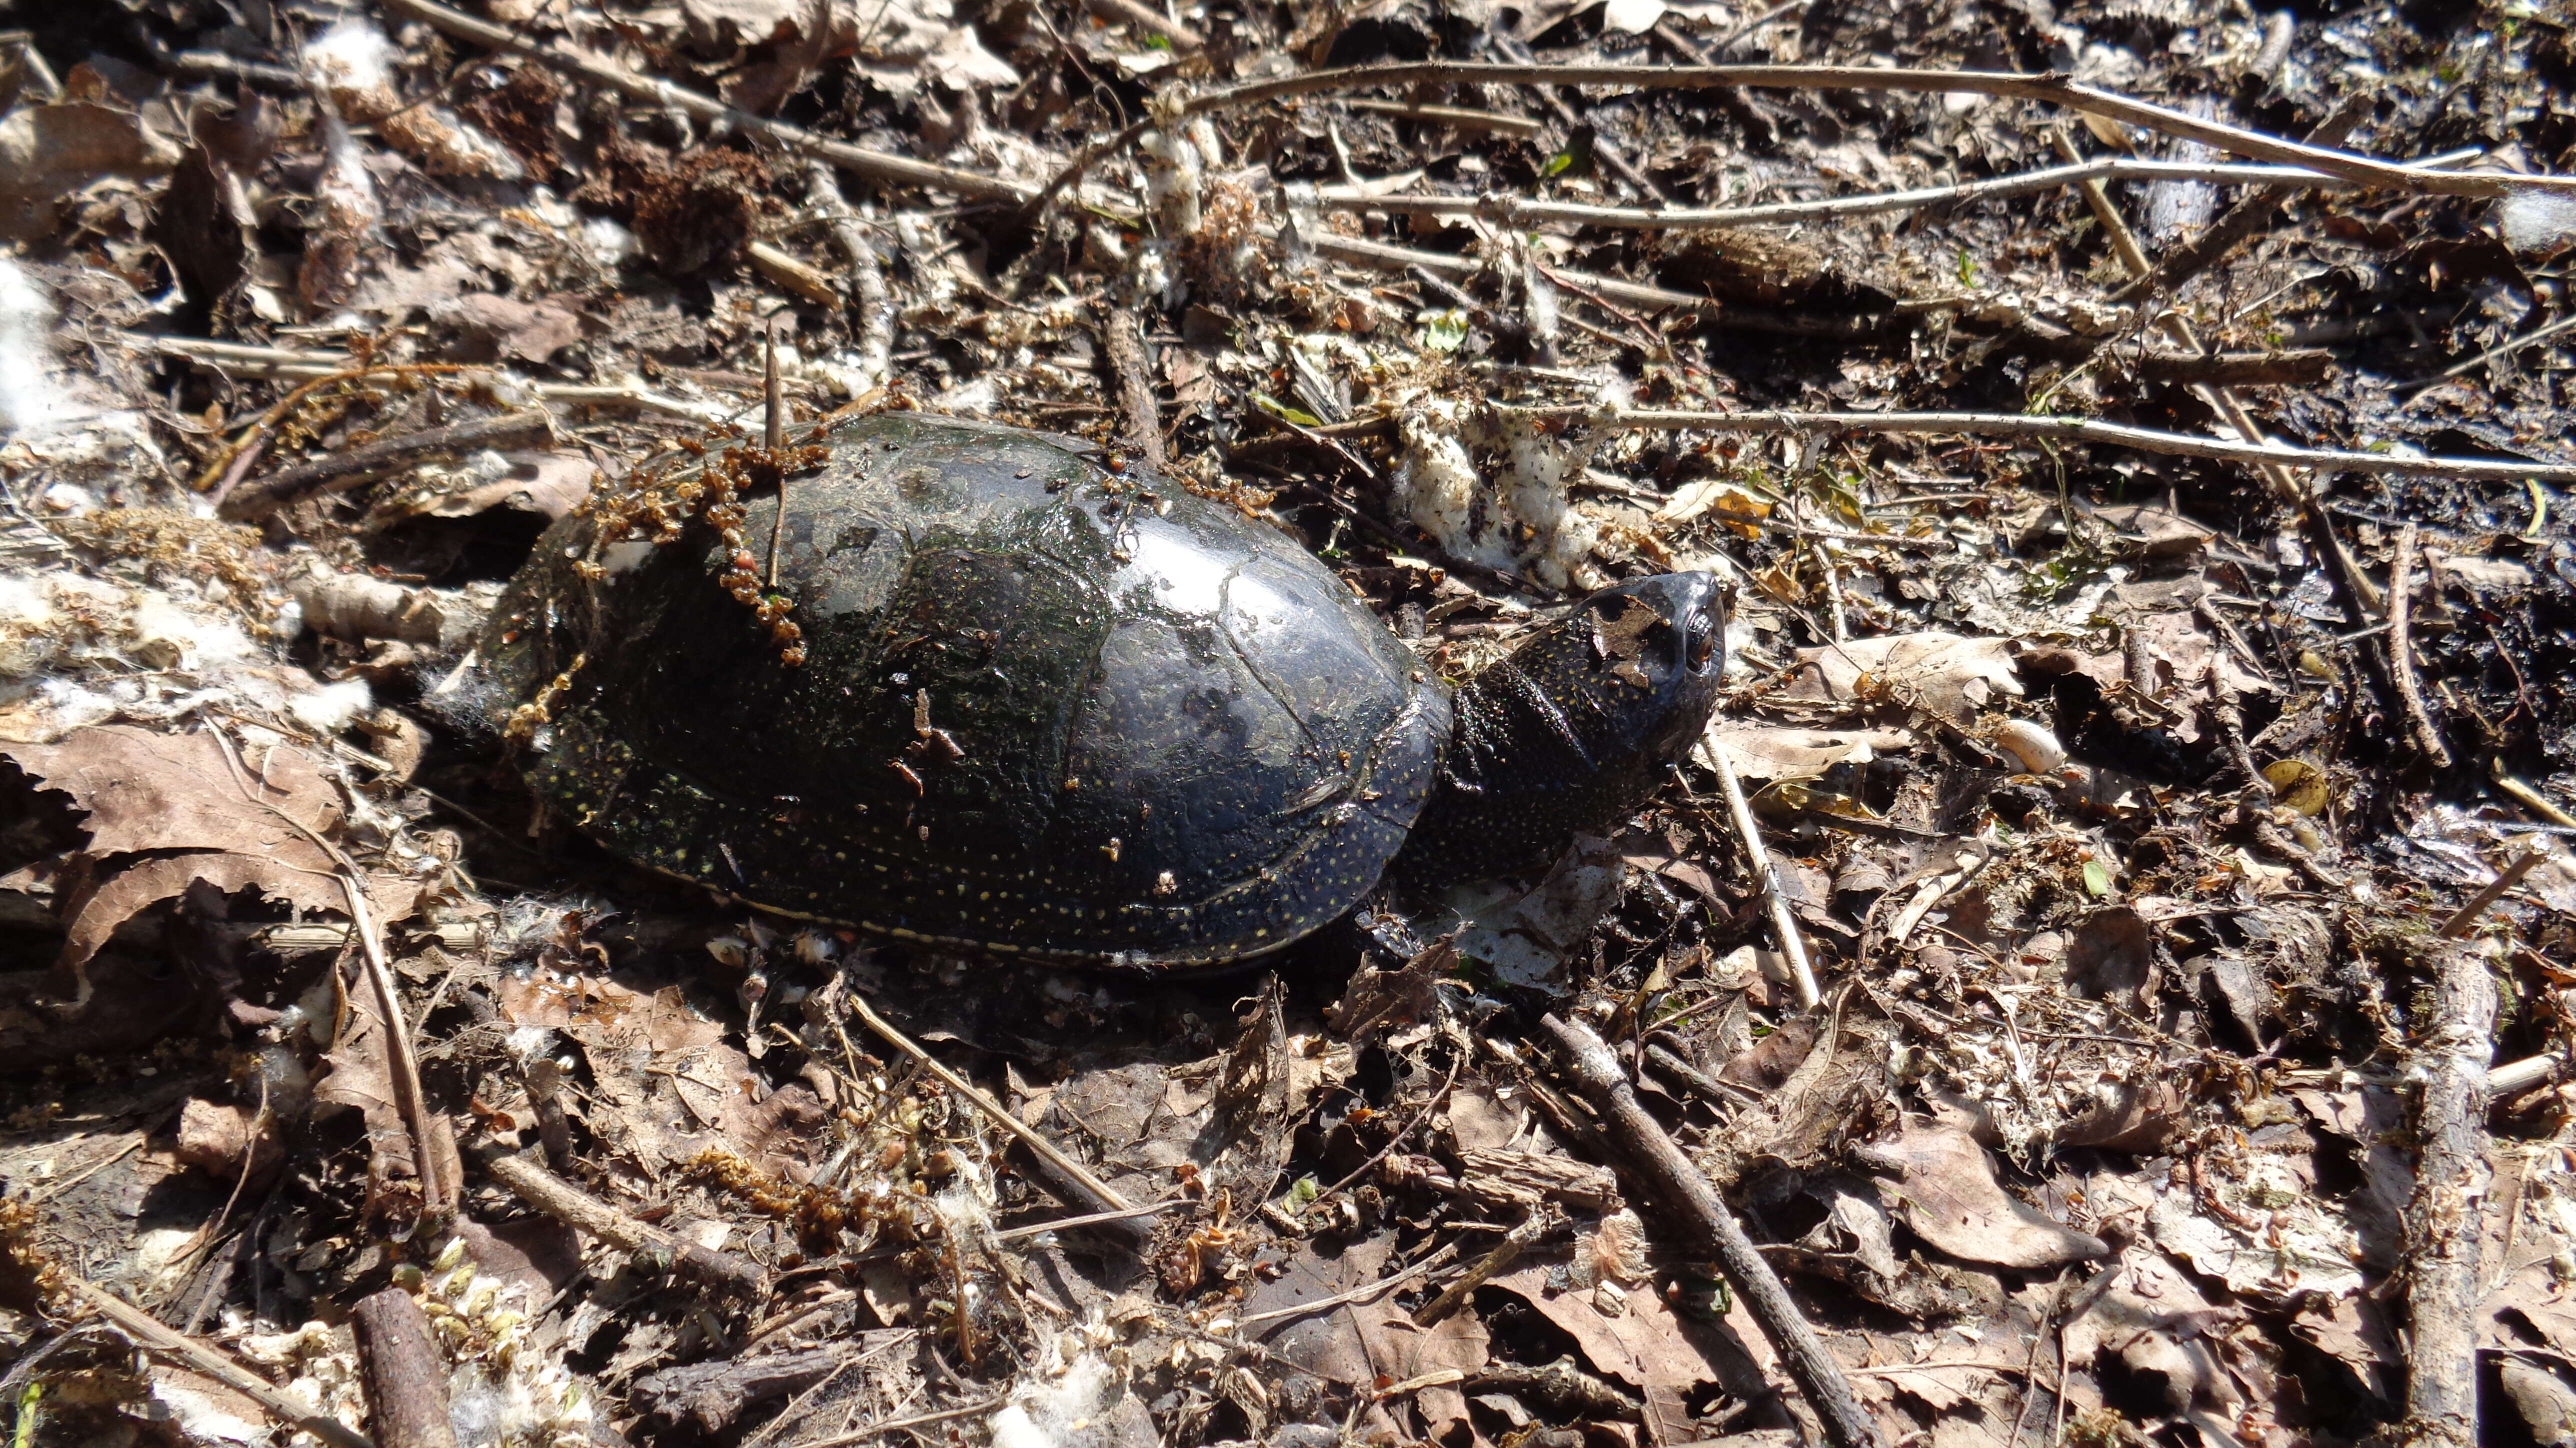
x,y
1000,691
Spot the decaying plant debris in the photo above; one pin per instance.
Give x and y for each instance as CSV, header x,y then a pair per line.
x,y
2103,978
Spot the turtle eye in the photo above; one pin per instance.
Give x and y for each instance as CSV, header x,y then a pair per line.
x,y
1702,641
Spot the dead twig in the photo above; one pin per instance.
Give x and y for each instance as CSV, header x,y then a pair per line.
x,y
773,439
1135,12
2251,213
1402,1135
2401,649
2062,429
899,1425
2050,88
1096,1195
2445,1219
433,1139
1665,1063
2500,350
1516,211
406,1373
1602,149
340,471
585,1213
2224,400
1368,1292
1123,337
1383,257
869,298
1462,118
1673,1183
1793,946
1486,1269
170,1346
2465,918
310,366
788,271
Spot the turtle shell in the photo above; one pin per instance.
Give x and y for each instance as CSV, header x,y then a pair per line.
x,y
1043,708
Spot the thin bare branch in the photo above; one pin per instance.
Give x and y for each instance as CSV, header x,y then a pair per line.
x,y
1462,118
2054,89
2401,649
1519,211
1793,946
171,1346
2067,429
585,1213
1102,1198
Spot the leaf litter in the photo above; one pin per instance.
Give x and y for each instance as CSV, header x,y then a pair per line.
x,y
2122,821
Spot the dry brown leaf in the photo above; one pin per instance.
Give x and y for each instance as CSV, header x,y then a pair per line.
x,y
2148,1314
49,152
547,484
147,791
602,1014
1946,1187
1766,751
666,1083
1362,1344
177,798
361,1076
1953,676
220,1137
1377,1002
1644,1345
533,331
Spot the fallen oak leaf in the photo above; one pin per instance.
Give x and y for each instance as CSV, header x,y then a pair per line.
x,y
147,791
176,799
1946,1187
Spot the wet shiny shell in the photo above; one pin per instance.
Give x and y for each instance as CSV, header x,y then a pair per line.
x,y
1045,709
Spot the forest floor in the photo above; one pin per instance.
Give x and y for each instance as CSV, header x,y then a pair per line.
x,y
2131,1006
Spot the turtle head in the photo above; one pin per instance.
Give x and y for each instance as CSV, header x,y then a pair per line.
x,y
1574,728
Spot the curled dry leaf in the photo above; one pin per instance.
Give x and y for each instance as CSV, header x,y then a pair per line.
x,y
1379,1002
1946,1186
178,799
2146,1315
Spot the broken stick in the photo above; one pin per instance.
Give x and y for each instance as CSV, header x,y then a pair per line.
x,y
1793,946
2401,650
2446,1217
585,1213
343,470
170,1346
1670,1179
2465,919
1063,1173
405,1370
1123,333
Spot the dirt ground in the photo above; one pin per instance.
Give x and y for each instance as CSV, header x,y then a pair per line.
x,y
2130,1005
